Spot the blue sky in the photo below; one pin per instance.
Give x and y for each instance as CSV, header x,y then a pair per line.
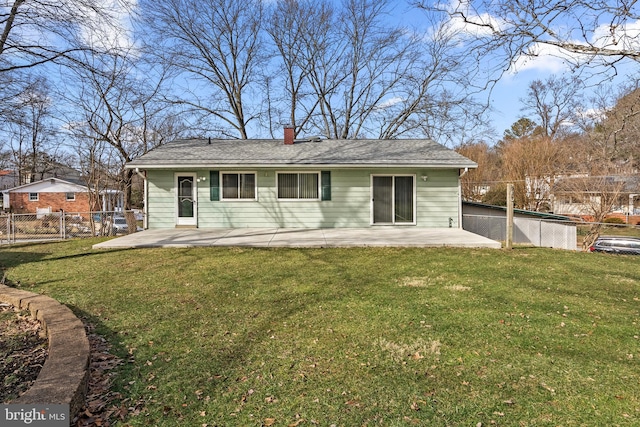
x,y
505,97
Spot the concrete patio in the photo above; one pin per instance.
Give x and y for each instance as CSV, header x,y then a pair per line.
x,y
301,238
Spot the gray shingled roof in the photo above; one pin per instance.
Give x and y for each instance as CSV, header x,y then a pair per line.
x,y
328,152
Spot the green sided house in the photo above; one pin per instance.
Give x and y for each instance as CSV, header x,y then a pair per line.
x,y
309,183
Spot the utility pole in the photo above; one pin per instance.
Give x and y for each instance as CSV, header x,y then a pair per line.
x,y
509,239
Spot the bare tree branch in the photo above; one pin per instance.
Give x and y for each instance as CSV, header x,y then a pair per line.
x,y
218,43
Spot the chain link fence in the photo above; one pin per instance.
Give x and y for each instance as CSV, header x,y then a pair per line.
x,y
529,231
588,231
544,232
15,228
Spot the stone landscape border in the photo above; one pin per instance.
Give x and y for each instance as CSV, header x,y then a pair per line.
x,y
65,375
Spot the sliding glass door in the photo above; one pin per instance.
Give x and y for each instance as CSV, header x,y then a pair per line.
x,y
393,199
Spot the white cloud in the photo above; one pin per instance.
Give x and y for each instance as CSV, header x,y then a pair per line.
x,y
389,103
620,37
591,114
543,58
113,32
550,58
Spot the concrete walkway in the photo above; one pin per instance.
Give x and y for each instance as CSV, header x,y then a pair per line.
x,y
301,238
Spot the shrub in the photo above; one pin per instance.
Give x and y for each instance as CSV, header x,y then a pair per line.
x,y
614,220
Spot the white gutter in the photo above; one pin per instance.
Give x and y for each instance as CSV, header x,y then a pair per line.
x,y
178,166
466,169
144,197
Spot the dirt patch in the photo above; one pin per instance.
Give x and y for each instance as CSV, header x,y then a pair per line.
x,y
100,407
23,351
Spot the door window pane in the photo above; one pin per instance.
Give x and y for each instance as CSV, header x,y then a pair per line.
x,y
403,199
382,199
185,196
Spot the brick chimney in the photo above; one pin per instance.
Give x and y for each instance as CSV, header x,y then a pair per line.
x,y
288,135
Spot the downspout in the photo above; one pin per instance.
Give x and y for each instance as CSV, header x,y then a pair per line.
x,y
144,197
460,197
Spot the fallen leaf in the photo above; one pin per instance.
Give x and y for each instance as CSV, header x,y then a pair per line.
x,y
269,421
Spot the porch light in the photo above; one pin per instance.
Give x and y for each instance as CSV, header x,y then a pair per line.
x,y
424,177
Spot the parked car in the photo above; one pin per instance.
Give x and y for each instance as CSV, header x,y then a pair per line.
x,y
119,225
616,245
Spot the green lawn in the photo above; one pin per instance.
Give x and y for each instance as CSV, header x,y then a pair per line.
x,y
356,337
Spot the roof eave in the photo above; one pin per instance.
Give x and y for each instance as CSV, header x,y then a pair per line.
x,y
31,184
299,165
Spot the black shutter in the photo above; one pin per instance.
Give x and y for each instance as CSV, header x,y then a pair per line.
x,y
326,185
214,179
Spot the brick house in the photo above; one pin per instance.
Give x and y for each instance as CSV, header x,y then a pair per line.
x,y
55,195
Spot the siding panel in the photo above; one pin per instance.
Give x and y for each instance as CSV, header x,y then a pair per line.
x,y
350,204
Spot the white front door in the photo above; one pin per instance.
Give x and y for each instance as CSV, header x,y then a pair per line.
x,y
186,199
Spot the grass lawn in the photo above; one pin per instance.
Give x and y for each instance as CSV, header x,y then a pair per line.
x,y
356,337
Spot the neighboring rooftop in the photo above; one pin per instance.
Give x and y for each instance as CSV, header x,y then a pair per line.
x,y
325,152
543,215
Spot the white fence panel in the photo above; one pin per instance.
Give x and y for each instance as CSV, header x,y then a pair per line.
x,y
537,232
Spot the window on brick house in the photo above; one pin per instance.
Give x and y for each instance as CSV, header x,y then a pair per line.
x,y
71,197
33,197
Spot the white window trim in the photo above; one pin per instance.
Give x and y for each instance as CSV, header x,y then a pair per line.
x,y
238,199
415,200
36,199
72,199
319,198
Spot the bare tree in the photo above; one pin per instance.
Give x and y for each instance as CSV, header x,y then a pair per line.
x,y
615,131
117,117
531,164
582,33
432,99
597,193
554,102
348,73
371,61
292,24
30,132
217,45
35,32
476,182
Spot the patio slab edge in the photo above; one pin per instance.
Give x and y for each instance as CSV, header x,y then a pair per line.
x,y
64,376
300,238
